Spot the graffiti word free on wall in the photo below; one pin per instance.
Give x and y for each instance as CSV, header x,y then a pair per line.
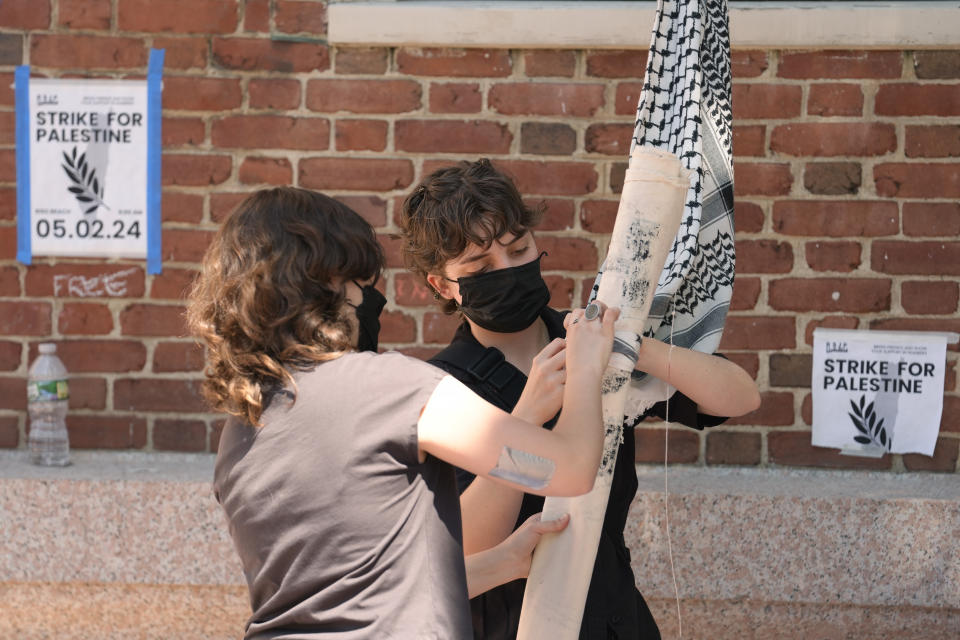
x,y
105,284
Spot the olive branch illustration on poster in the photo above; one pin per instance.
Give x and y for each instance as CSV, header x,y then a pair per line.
x,y
867,423
86,187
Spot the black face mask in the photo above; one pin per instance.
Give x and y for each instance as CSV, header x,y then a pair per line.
x,y
505,300
368,317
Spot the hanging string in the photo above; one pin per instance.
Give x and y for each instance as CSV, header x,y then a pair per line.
x,y
666,486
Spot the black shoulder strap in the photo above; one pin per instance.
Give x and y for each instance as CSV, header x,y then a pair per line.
x,y
483,369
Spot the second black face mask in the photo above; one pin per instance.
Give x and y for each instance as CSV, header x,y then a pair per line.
x,y
505,300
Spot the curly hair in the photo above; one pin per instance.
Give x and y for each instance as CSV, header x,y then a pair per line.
x,y
269,296
453,207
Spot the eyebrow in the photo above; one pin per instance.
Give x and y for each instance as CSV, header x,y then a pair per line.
x,y
482,255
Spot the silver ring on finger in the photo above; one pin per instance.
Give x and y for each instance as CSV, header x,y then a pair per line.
x,y
592,312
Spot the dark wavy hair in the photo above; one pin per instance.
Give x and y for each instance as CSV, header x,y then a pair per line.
x,y
469,203
269,296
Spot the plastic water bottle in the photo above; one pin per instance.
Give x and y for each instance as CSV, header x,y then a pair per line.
x,y
47,399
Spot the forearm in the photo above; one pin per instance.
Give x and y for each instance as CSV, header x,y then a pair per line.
x,y
489,511
718,386
581,422
488,569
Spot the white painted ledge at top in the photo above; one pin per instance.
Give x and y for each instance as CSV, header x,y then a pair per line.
x,y
872,24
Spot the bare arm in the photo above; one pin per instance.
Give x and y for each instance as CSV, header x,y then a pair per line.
x,y
718,386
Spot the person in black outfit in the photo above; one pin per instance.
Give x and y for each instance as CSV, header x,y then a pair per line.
x,y
467,232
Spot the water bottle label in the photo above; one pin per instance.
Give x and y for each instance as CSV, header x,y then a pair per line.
x,y
48,391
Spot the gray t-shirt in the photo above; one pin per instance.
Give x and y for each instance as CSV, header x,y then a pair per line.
x,y
341,531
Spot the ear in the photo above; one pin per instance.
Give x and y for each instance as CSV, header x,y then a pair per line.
x,y
441,285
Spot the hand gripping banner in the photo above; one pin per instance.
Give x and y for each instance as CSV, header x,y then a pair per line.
x,y
674,227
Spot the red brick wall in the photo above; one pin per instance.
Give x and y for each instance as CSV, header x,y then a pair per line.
x,y
847,179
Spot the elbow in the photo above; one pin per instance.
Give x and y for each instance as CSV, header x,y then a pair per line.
x,y
749,402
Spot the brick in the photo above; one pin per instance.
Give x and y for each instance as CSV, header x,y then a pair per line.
x,y
9,355
179,435
922,297
177,356
185,245
458,63
830,322
626,99
25,14
617,64
561,291
793,448
195,170
438,328
557,213
546,99
917,180
834,139
748,217
917,99
297,16
450,136
371,208
609,139
748,64
931,219
256,15
263,170
733,447
223,204
9,432
944,458
84,280
764,256
746,292
835,99
791,369
749,140
455,97
106,432
24,318
264,56
550,63
776,410
935,141
98,356
190,93
936,65
87,52
683,447
855,295
88,393
6,89
762,179
598,216
916,258
397,327
950,419
840,64
178,16
355,174
551,178
8,243
361,60
836,218
274,93
806,409
8,172
749,362
568,254
833,256
8,203
85,318
759,332
766,101
832,178
179,132
271,132
9,282
547,138
13,393
172,284
11,49
7,127
181,207
363,96
411,291
157,394
183,53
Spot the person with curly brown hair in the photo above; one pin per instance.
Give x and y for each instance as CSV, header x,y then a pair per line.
x,y
334,466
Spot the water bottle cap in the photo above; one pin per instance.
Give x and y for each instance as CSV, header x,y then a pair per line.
x,y
47,348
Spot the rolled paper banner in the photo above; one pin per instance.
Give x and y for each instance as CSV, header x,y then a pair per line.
x,y
651,206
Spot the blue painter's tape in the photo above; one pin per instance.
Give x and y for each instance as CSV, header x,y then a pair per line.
x,y
22,102
154,158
